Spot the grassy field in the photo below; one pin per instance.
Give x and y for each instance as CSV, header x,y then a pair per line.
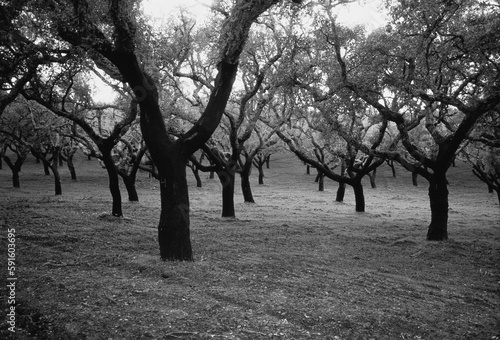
x,y
295,265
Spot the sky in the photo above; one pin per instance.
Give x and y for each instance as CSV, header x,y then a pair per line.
x,y
365,12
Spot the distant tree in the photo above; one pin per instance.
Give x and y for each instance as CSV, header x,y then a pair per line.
x,y
67,95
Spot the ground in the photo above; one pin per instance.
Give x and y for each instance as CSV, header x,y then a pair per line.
x,y
295,265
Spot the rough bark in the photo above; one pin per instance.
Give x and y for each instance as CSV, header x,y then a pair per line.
x,y
173,228
438,195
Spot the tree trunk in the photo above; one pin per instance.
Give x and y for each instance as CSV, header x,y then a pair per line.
x,y
60,159
129,182
321,182
226,178
490,188
71,166
15,178
46,167
267,159
89,157
246,189
55,171
114,184
1,163
498,195
359,196
173,229
196,174
393,169
340,192
261,173
414,177
372,177
438,195
308,169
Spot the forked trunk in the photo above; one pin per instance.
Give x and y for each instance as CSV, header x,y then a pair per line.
x,y
173,229
226,179
114,185
438,195
359,196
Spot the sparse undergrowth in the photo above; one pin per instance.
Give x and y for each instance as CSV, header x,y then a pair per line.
x,y
295,265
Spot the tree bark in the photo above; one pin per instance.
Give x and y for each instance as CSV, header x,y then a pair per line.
x,y
173,228
196,174
246,189
129,182
71,166
226,179
55,171
15,178
359,196
372,177
393,169
114,184
340,192
438,194
46,167
414,177
261,174
321,181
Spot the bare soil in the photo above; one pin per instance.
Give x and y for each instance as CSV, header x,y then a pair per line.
x,y
295,265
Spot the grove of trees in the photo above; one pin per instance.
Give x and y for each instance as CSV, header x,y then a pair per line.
x,y
254,77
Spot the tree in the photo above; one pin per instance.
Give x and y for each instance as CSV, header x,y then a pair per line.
x,y
80,23
439,63
67,95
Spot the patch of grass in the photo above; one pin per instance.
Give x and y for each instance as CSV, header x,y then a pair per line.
x,y
295,265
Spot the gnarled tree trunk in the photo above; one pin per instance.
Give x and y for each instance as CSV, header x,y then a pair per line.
x,y
438,195
173,228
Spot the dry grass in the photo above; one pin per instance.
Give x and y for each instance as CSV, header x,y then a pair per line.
x,y
296,265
